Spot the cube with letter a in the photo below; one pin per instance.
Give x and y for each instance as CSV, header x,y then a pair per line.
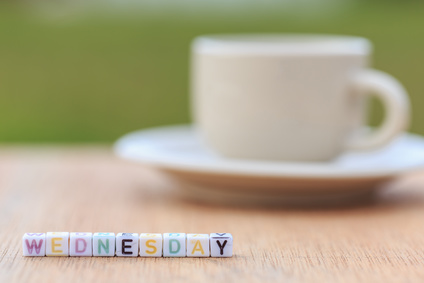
x,y
34,244
197,245
221,244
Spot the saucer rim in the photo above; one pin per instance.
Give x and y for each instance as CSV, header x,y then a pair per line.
x,y
233,167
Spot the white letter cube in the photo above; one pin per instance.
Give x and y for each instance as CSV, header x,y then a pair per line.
x,y
104,244
221,245
174,245
150,245
57,244
80,244
197,245
127,244
34,244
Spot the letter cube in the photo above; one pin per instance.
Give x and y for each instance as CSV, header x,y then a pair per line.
x,y
221,245
150,245
174,245
34,244
127,244
197,245
104,244
80,244
57,244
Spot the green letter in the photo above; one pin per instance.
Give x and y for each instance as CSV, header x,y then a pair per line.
x,y
103,245
170,246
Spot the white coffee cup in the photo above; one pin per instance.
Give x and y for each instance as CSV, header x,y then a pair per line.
x,y
290,97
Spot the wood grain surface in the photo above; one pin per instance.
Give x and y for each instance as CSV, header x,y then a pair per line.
x,y
87,189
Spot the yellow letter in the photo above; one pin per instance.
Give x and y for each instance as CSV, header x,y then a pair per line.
x,y
150,246
56,245
199,247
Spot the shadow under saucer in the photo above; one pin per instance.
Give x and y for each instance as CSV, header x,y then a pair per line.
x,y
256,191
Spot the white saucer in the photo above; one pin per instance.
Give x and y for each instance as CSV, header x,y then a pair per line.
x,y
179,152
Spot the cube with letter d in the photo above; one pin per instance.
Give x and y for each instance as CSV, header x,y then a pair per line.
x,y
34,244
174,245
150,245
57,244
80,244
104,244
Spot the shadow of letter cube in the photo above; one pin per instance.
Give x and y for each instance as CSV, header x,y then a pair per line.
x,y
150,245
80,244
127,244
197,245
174,245
34,244
104,244
221,244
57,244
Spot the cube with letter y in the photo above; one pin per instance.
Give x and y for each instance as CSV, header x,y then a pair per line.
x,y
80,244
57,244
221,244
197,245
174,245
150,245
127,244
34,244
104,244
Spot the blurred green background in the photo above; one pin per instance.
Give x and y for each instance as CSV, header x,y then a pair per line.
x,y
84,74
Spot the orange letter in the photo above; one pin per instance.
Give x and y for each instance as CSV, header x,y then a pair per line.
x,y
199,248
54,245
150,246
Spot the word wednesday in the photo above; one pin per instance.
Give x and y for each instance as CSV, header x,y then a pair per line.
x,y
127,244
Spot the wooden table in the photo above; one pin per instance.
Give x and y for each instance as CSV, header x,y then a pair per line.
x,y
87,189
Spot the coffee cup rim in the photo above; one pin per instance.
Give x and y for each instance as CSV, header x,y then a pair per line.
x,y
281,44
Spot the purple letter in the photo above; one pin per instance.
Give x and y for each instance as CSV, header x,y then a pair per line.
x,y
77,250
34,244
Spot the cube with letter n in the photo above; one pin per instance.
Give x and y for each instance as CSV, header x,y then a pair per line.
x,y
104,244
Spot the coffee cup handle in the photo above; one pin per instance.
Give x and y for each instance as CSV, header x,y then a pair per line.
x,y
396,104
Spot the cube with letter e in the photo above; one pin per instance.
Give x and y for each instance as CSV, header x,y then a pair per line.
x,y
57,244
126,244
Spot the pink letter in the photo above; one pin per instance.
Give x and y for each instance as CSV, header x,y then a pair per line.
x,y
77,250
34,244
